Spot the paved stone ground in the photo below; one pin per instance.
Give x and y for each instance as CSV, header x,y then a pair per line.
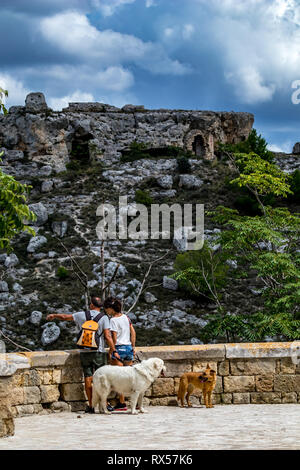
x,y
163,428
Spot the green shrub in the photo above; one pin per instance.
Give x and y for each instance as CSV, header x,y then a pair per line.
x,y
137,151
62,273
255,143
143,197
140,150
295,186
73,165
192,264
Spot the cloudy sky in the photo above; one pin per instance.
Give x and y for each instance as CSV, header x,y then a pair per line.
x,y
188,54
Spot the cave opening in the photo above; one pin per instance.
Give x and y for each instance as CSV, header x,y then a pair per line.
x,y
80,148
199,146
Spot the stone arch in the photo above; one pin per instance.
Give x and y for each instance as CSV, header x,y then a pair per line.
x,y
201,144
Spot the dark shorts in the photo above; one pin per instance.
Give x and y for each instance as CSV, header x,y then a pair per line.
x,y
125,352
91,361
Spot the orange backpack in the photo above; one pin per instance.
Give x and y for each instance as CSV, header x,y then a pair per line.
x,y
89,336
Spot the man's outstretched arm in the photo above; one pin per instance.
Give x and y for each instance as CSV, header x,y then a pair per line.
x,y
60,316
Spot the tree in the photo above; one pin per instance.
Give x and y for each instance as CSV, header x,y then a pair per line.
x,y
13,209
267,244
254,144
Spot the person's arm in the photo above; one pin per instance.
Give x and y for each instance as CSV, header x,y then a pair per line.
x,y
60,316
132,337
110,341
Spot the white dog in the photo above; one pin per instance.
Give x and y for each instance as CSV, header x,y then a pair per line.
x,y
131,381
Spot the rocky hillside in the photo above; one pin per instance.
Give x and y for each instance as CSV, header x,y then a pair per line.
x,y
79,158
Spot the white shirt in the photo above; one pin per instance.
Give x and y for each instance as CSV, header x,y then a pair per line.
x,y
121,326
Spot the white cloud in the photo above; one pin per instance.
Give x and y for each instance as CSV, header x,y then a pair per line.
x,y
168,32
113,78
16,90
286,147
258,43
78,96
188,31
108,7
150,3
73,33
249,85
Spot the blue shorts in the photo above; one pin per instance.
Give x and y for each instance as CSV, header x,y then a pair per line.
x,y
125,352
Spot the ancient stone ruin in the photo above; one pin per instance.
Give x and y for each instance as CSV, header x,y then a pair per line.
x,y
102,132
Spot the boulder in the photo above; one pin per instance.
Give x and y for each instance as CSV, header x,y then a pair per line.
x,y
50,333
35,102
35,243
60,228
11,261
296,149
149,298
36,317
3,286
165,182
46,170
47,186
169,283
190,182
41,213
110,269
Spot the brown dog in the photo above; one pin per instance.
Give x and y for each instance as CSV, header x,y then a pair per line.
x,y
205,381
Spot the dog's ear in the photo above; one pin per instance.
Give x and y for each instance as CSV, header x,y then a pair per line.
x,y
157,364
208,366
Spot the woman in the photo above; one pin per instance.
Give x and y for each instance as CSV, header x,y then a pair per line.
x,y
123,336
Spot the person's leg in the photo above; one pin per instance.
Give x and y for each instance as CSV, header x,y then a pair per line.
x,y
86,363
88,384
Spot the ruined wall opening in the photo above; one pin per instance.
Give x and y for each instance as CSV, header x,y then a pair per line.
x,y
80,148
199,146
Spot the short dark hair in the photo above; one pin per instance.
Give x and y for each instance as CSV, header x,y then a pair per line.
x,y
113,303
96,300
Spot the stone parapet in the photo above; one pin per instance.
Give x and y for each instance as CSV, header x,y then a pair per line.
x,y
52,381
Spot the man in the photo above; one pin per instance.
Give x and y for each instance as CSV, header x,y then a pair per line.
x,y
91,359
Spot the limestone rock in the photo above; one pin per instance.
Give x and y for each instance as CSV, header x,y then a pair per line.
x,y
47,186
169,283
7,427
165,182
3,286
11,261
149,298
35,102
296,148
190,182
41,213
60,228
50,333
36,317
35,243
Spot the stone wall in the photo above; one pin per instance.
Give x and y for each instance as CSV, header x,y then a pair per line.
x,y
42,382
47,136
